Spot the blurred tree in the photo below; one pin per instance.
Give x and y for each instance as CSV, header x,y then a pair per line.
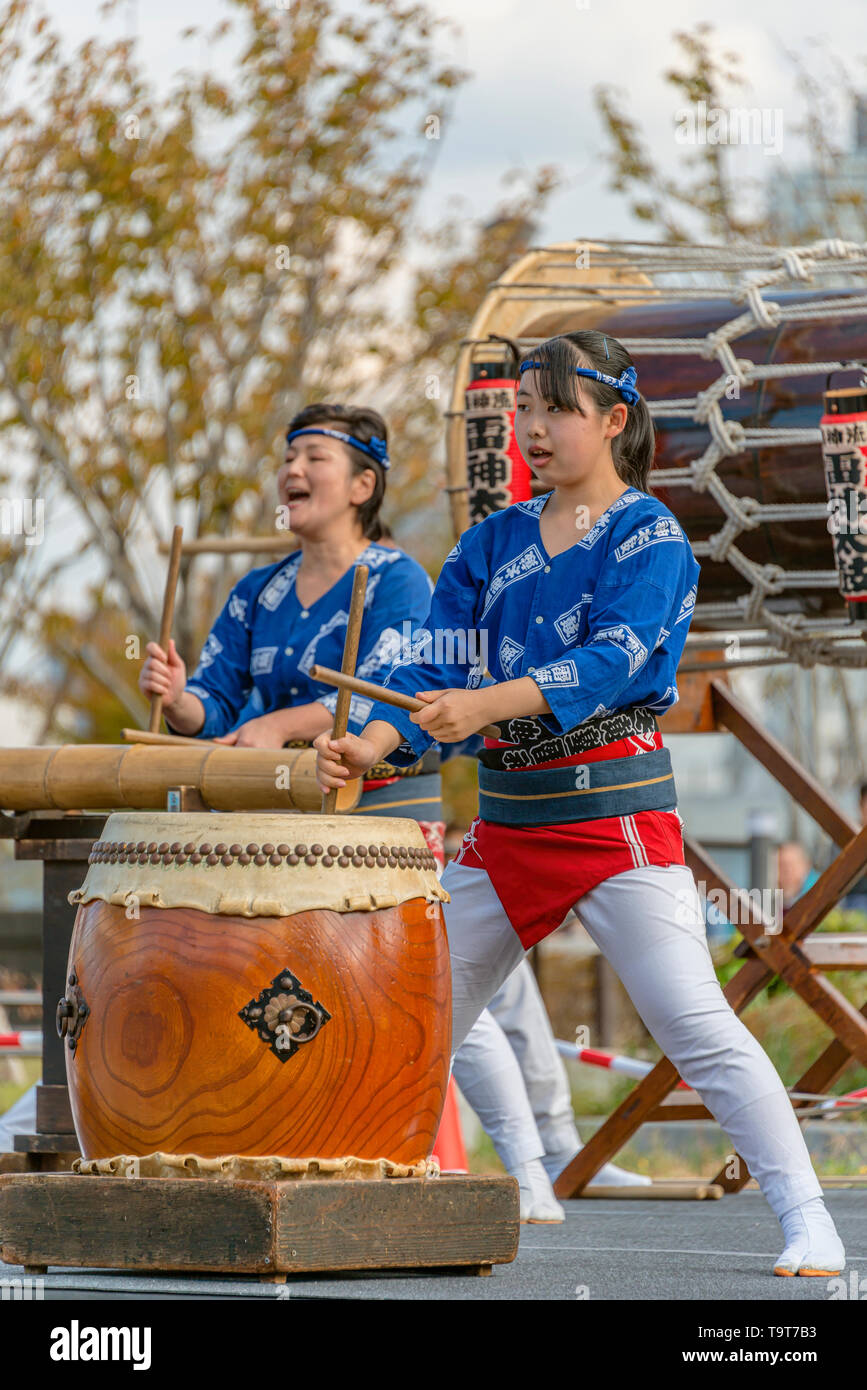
x,y
832,194
180,273
658,199
712,205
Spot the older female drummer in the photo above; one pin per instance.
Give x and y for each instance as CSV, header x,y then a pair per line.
x,y
252,686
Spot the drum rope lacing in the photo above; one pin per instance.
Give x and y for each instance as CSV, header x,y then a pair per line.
x,y
743,273
262,1168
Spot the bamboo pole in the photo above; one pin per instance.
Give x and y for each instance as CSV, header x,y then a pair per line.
x,y
102,776
165,740
234,545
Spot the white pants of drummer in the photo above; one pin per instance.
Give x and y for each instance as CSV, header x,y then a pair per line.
x,y
660,951
510,1072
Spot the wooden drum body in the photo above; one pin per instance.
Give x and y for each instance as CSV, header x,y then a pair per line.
x,y
258,985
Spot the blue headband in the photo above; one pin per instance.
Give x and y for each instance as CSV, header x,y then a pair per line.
x,y
625,383
375,448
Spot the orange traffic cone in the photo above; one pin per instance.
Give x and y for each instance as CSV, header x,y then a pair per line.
x,y
448,1146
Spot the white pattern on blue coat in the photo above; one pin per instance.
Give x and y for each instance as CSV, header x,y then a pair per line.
x,y
619,645
510,652
601,524
569,623
686,608
258,654
622,636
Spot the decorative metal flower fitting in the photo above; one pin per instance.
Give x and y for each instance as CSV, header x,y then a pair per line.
x,y
72,1013
285,1015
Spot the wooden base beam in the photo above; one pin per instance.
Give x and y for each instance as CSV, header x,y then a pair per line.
x,y
265,1228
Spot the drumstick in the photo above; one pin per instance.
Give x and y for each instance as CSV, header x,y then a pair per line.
x,y
168,615
381,692
149,736
350,656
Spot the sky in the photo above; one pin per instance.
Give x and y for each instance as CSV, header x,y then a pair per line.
x,y
535,67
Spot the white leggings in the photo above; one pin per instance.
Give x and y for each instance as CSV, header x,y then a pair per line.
x,y
659,949
510,1071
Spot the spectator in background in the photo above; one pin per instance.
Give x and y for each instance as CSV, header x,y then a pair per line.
x,y
795,873
856,899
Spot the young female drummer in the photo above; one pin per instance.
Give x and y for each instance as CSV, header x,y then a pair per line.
x,y
583,597
252,686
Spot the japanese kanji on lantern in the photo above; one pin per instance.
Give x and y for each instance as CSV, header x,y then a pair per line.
x,y
844,451
497,475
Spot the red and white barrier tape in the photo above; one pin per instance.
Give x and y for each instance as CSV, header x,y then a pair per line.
x,y
633,1066
26,1043
627,1066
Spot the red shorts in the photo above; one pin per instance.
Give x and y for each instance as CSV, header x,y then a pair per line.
x,y
540,871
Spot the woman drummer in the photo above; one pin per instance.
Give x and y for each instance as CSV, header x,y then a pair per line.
x,y
252,689
252,686
577,802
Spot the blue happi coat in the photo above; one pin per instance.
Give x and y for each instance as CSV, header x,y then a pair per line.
x,y
259,652
599,627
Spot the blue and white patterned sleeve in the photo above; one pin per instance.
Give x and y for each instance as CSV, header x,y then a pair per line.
x,y
222,678
644,591
444,651
396,599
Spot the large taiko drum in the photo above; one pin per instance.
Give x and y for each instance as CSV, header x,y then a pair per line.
x,y
736,349
769,475
258,984
772,476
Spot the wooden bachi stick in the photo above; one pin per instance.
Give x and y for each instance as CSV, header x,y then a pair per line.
x,y
168,615
350,657
380,692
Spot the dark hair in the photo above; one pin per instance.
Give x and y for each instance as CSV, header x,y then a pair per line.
x,y
632,450
364,424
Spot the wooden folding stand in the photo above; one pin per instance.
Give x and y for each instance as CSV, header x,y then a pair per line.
x,y
708,705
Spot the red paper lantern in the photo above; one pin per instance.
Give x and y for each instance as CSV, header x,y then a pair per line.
x,y
497,475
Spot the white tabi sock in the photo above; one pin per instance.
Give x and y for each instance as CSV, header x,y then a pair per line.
x,y
812,1243
538,1203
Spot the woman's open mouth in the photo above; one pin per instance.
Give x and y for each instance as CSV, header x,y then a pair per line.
x,y
295,495
538,455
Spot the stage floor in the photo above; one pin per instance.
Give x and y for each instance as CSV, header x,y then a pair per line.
x,y
606,1250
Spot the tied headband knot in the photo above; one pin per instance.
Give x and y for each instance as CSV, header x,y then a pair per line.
x,y
375,447
625,383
